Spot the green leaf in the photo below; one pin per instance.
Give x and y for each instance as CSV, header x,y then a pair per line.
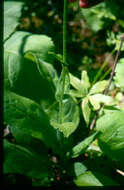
x,y
25,114
111,140
12,12
94,22
85,80
94,179
63,85
119,74
97,99
18,159
23,42
83,145
75,82
82,85
59,57
79,168
75,93
18,71
98,87
86,109
70,116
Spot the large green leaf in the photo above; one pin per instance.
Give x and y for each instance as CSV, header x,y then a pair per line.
x,y
18,159
94,179
22,42
26,115
12,12
22,74
111,140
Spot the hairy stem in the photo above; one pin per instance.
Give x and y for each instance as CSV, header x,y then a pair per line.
x,y
110,81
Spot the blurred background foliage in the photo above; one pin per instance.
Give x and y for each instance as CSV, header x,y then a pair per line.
x,y
91,34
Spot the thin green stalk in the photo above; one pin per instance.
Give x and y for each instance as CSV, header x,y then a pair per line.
x,y
64,66
102,68
106,73
64,32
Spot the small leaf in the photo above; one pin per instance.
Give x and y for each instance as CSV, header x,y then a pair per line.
x,y
94,179
94,103
85,80
83,145
86,109
98,87
75,82
59,57
97,99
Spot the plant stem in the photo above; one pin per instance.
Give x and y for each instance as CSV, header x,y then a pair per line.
x,y
64,31
64,65
110,81
102,68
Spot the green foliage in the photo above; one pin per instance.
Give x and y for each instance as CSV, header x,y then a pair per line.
x,y
111,142
94,179
22,112
119,79
18,159
12,12
96,16
48,112
91,95
82,146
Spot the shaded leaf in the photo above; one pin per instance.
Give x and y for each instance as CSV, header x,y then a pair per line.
x,y
18,159
27,115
